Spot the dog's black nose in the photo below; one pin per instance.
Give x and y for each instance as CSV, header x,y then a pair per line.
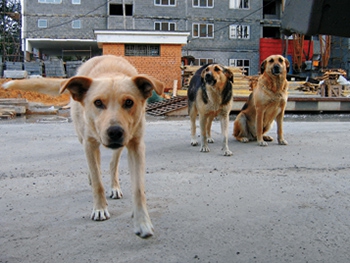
x,y
209,78
276,70
115,132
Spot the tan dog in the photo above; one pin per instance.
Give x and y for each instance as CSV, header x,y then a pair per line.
x,y
108,108
266,103
210,95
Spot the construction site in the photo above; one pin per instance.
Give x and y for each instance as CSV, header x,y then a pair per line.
x,y
313,86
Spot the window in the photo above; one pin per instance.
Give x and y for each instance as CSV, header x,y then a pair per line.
x,y
117,10
42,23
203,30
239,4
76,2
50,1
203,3
241,63
164,26
203,61
239,31
76,24
165,2
142,50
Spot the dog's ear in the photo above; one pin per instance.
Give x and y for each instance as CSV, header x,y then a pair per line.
x,y
263,66
287,64
147,83
228,74
77,86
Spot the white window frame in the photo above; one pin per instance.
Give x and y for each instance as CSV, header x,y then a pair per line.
x,y
76,24
160,23
198,25
42,23
234,63
169,3
197,4
240,4
238,31
50,1
197,61
76,2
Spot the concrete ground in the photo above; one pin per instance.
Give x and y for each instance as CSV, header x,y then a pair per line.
x,y
263,204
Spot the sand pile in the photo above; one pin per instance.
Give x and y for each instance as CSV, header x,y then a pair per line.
x,y
59,100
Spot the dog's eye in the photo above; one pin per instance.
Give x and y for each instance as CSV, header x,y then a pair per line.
x,y
271,60
280,60
99,104
217,69
128,103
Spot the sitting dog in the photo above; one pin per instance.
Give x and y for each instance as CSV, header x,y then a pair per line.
x,y
108,108
210,95
266,103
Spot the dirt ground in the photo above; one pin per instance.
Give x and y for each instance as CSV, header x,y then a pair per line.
x,y
263,204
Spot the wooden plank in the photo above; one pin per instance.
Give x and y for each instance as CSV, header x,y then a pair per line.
x,y
17,109
16,102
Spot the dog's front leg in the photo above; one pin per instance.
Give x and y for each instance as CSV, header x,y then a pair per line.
x,y
259,124
136,156
92,152
203,126
116,192
193,116
224,131
279,121
208,129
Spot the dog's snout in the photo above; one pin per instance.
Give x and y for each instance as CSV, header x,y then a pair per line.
x,y
115,132
115,136
276,69
209,78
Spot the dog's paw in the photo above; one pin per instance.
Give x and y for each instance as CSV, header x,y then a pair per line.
x,y
144,229
194,142
205,149
142,225
267,138
210,140
243,139
282,142
100,215
263,143
228,153
116,193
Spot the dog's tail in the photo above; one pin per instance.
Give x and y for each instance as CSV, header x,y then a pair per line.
x,y
50,86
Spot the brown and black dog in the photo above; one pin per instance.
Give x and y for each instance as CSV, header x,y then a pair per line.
x,y
266,103
210,95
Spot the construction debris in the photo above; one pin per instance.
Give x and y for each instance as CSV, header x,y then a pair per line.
x,y
166,106
9,108
188,72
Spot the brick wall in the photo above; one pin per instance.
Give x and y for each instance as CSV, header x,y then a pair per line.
x,y
165,68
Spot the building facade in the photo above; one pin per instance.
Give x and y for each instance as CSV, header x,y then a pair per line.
x,y
223,31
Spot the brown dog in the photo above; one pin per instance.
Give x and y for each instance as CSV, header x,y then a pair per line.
x,y
266,103
108,108
210,95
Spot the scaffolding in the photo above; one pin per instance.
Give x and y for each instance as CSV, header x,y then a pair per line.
x,y
10,27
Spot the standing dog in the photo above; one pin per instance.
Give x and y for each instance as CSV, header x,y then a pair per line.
x,y
108,108
266,103
210,95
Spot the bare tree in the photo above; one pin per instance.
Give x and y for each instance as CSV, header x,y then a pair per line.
x,y
10,28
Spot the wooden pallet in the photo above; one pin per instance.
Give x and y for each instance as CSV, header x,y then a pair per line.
x,y
166,106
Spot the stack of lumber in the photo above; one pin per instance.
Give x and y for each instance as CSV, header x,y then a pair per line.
x,y
10,108
328,86
240,85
